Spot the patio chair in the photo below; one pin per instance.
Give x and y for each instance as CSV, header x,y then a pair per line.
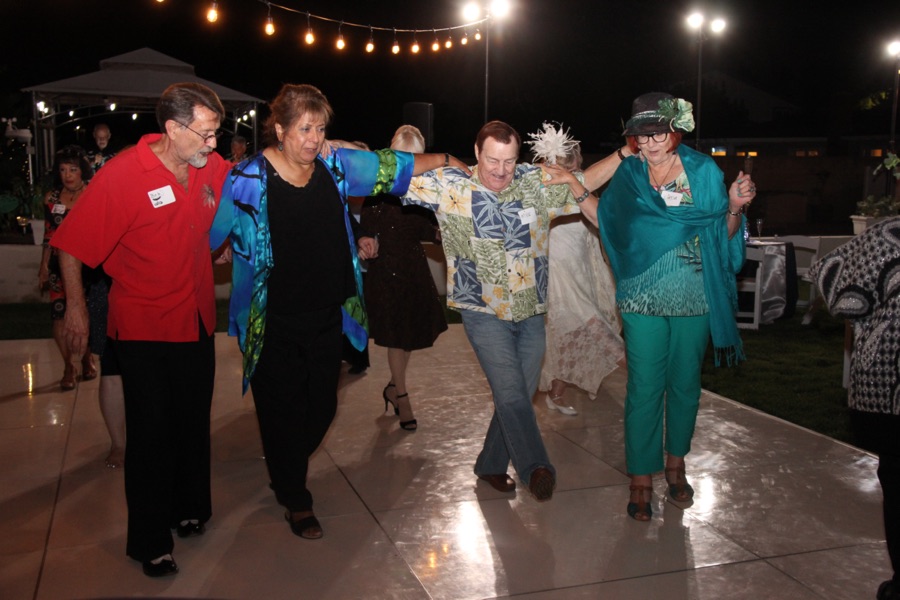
x,y
806,250
751,285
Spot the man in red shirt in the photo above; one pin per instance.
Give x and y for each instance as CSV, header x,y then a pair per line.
x,y
146,217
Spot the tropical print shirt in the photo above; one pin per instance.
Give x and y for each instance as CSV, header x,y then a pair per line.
x,y
495,242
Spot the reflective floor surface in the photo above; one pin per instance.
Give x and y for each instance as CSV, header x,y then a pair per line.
x,y
780,512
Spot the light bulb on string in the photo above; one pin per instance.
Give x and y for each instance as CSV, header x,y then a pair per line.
x,y
415,45
435,45
309,37
270,24
212,14
465,37
477,35
340,41
395,48
370,46
449,43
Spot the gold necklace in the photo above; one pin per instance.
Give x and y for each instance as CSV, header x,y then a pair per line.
x,y
653,179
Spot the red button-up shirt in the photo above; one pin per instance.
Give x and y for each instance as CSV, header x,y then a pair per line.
x,y
152,238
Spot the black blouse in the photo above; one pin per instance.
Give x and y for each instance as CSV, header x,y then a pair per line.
x,y
311,253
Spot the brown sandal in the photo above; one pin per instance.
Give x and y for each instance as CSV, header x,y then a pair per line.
x,y
679,490
640,510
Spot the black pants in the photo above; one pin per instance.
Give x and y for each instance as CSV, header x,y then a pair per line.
x,y
168,393
880,433
295,392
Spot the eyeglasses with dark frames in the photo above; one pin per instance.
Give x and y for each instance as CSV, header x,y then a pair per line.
x,y
659,138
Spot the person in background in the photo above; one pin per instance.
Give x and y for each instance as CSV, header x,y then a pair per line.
x,y
494,229
857,282
238,148
71,174
405,311
668,227
102,151
297,282
584,341
146,218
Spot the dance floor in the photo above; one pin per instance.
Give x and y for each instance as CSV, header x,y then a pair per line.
x,y
780,512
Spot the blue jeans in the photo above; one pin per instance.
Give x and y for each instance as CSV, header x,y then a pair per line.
x,y
510,355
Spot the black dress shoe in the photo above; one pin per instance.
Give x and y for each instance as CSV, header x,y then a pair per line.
x,y
190,529
542,483
164,567
501,483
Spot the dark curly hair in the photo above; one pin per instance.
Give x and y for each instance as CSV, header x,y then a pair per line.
x,y
72,155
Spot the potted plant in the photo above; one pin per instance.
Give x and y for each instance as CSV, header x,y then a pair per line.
x,y
877,208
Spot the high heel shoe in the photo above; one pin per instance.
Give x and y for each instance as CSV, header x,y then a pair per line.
x,y
387,400
552,405
679,490
68,379
409,424
640,510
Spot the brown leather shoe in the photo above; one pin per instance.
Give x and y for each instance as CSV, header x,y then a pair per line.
x,y
542,483
88,368
68,379
501,483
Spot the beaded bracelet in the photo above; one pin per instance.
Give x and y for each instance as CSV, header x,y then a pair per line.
x,y
583,197
619,154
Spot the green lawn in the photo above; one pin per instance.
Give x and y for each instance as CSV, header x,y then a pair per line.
x,y
792,371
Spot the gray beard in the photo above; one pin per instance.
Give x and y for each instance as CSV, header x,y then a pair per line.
x,y
199,160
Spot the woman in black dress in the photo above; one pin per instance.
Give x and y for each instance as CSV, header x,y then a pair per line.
x,y
405,312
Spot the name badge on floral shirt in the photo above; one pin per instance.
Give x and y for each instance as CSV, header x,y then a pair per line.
x,y
671,198
161,196
527,215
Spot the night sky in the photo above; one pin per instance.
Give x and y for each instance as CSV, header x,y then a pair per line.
x,y
576,61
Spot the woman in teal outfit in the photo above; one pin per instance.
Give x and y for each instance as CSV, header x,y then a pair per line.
x,y
668,225
296,278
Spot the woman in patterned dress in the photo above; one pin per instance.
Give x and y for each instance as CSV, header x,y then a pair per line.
x,y
71,173
584,341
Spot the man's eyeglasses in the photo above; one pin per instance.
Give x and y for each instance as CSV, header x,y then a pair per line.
x,y
659,138
206,138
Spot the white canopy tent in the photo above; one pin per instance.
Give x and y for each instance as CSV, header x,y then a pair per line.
x,y
134,82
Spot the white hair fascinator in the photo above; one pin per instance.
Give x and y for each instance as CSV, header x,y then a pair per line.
x,y
550,143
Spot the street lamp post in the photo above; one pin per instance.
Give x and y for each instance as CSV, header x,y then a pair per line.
x,y
472,12
716,26
894,50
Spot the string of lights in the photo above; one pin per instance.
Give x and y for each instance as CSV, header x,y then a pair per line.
x,y
462,32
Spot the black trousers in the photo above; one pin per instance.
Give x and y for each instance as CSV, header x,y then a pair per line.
x,y
295,392
880,433
168,393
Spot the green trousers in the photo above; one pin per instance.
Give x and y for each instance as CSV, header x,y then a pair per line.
x,y
665,355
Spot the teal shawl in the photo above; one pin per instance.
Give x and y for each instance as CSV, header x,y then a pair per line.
x,y
243,216
638,228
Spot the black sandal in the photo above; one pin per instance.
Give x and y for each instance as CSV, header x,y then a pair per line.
x,y
308,528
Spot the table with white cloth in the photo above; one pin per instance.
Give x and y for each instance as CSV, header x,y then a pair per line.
x,y
778,271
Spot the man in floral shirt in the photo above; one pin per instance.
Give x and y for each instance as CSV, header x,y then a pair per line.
x,y
495,231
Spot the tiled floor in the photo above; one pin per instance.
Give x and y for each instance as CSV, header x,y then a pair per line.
x,y
780,512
